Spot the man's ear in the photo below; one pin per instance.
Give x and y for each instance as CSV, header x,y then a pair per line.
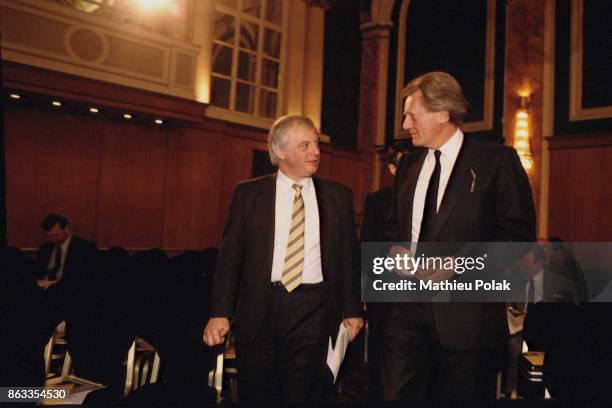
x,y
280,153
443,116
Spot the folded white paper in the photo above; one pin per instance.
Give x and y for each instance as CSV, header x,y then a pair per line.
x,y
335,355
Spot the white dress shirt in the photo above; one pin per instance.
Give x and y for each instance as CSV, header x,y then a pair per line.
x,y
285,194
64,248
449,152
538,287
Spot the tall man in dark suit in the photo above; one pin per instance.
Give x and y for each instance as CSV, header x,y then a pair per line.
x,y
286,272
451,189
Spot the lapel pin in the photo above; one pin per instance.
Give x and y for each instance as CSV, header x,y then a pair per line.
x,y
473,180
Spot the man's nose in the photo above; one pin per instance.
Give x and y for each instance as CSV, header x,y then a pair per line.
x,y
407,123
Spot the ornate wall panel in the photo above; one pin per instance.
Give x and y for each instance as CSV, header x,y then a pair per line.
x,y
49,35
583,62
423,40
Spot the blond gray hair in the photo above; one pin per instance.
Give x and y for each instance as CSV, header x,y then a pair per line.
x,y
441,92
278,136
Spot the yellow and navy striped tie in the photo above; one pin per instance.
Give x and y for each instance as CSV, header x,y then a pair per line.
x,y
294,257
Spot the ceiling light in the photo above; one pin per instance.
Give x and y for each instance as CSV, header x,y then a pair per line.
x,y
150,5
15,96
127,116
159,121
56,103
94,110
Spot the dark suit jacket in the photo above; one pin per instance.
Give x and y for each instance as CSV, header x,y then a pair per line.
x,y
375,209
241,285
500,208
80,269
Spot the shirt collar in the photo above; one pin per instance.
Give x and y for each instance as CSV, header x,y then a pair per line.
x,y
451,147
286,183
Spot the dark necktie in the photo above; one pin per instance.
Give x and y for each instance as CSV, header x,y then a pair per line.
x,y
52,275
431,201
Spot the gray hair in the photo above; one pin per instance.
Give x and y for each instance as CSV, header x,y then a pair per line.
x,y
441,92
278,136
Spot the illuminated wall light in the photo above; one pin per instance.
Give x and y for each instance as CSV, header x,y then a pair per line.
x,y
56,103
522,134
15,96
127,116
94,110
522,123
159,122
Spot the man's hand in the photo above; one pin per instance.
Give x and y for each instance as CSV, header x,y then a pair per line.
x,y
354,324
401,251
45,283
215,330
515,310
434,275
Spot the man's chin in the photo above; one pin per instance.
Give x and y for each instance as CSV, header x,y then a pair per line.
x,y
312,170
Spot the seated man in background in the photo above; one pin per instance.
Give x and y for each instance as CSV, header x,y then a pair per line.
x,y
553,324
65,257
69,267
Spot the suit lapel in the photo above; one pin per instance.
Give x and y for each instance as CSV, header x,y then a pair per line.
x,y
69,256
265,215
406,193
326,211
458,185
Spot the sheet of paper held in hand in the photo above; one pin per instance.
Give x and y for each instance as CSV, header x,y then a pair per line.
x,y
336,355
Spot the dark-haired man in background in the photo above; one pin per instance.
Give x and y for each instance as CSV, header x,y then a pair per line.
x,y
69,267
65,258
375,209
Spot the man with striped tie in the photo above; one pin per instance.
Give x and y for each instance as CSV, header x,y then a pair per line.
x,y
287,273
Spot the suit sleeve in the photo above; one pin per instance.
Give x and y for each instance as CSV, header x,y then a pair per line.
x,y
515,211
229,264
391,230
350,260
368,224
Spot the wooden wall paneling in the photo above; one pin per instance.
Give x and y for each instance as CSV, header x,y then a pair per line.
x,y
343,168
237,162
192,194
52,166
132,186
580,194
524,72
